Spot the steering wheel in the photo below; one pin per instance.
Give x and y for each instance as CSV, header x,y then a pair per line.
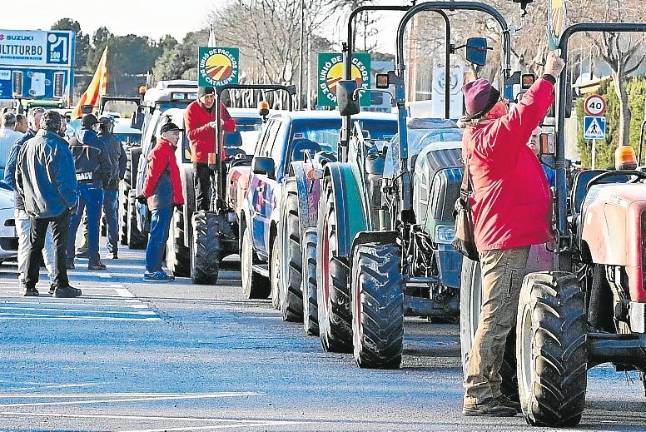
x,y
639,175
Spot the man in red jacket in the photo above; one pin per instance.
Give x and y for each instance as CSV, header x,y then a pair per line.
x,y
199,119
162,190
511,211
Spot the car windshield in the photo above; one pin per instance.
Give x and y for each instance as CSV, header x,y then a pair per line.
x,y
323,134
418,139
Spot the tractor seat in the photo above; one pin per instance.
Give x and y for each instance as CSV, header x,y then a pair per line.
x,y
301,146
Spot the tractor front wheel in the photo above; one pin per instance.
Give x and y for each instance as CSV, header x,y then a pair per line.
x,y
551,349
377,306
205,251
310,305
333,293
291,272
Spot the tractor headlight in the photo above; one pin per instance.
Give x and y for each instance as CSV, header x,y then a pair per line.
x,y
444,234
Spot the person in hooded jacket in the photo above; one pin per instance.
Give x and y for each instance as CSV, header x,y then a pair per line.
x,y
162,191
511,204
93,171
47,187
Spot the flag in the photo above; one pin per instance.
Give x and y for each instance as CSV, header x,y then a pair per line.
x,y
98,87
212,43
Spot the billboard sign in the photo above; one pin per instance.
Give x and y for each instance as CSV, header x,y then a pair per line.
x,y
36,64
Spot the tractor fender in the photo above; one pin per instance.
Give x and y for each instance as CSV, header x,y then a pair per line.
x,y
348,203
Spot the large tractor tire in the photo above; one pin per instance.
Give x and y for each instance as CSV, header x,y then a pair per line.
x,y
291,280
254,286
205,251
332,273
377,306
178,255
470,302
132,164
310,305
551,349
135,238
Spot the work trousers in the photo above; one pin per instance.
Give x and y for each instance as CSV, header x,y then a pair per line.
x,y
159,225
37,234
203,184
23,229
90,197
111,212
502,277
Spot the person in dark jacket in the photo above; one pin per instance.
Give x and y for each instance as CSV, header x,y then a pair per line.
x,y
199,119
47,186
111,191
22,219
93,170
511,212
162,191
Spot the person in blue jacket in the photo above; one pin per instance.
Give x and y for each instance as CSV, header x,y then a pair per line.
x,y
47,186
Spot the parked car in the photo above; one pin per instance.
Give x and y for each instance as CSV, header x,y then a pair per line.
x,y
8,236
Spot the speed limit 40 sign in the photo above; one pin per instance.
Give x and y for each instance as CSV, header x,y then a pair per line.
x,y
595,105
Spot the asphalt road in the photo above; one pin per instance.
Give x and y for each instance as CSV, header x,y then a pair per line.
x,y
134,356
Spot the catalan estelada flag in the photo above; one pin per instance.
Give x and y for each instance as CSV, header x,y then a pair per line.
x,y
98,87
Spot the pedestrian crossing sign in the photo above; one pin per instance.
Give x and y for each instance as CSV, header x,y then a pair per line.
x,y
594,128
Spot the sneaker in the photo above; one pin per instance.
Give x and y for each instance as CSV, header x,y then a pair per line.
x,y
69,265
52,288
505,401
159,276
31,292
67,292
489,408
115,256
98,265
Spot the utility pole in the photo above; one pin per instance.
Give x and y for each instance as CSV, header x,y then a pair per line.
x,y
301,52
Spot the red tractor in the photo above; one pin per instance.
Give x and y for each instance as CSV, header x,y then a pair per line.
x,y
590,308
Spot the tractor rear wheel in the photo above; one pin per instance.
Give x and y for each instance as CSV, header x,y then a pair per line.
x,y
551,349
178,255
135,238
470,302
332,273
254,286
291,278
310,306
124,191
205,251
377,306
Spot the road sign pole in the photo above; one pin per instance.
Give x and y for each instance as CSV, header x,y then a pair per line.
x,y
594,153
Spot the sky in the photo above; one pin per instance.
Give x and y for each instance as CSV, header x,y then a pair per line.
x,y
145,17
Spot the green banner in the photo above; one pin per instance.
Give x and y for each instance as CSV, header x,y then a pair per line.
x,y
218,66
330,71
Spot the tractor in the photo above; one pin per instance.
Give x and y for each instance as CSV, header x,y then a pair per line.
x,y
214,234
589,306
384,239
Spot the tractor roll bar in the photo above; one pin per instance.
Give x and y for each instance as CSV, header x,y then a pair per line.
x,y
348,49
561,181
433,6
219,189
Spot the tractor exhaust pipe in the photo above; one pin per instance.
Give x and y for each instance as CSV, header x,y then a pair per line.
x,y
628,349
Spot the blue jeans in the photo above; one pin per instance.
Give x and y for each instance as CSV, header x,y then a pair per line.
x,y
90,197
111,212
159,225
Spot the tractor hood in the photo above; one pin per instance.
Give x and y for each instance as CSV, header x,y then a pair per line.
x,y
613,228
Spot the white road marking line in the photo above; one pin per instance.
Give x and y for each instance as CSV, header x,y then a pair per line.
x,y
240,422
98,311
53,385
122,292
59,395
102,275
73,318
216,427
136,399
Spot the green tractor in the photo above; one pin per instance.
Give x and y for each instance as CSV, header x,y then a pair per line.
x,y
384,236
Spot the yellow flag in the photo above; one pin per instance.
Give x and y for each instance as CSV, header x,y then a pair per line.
x,y
98,86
